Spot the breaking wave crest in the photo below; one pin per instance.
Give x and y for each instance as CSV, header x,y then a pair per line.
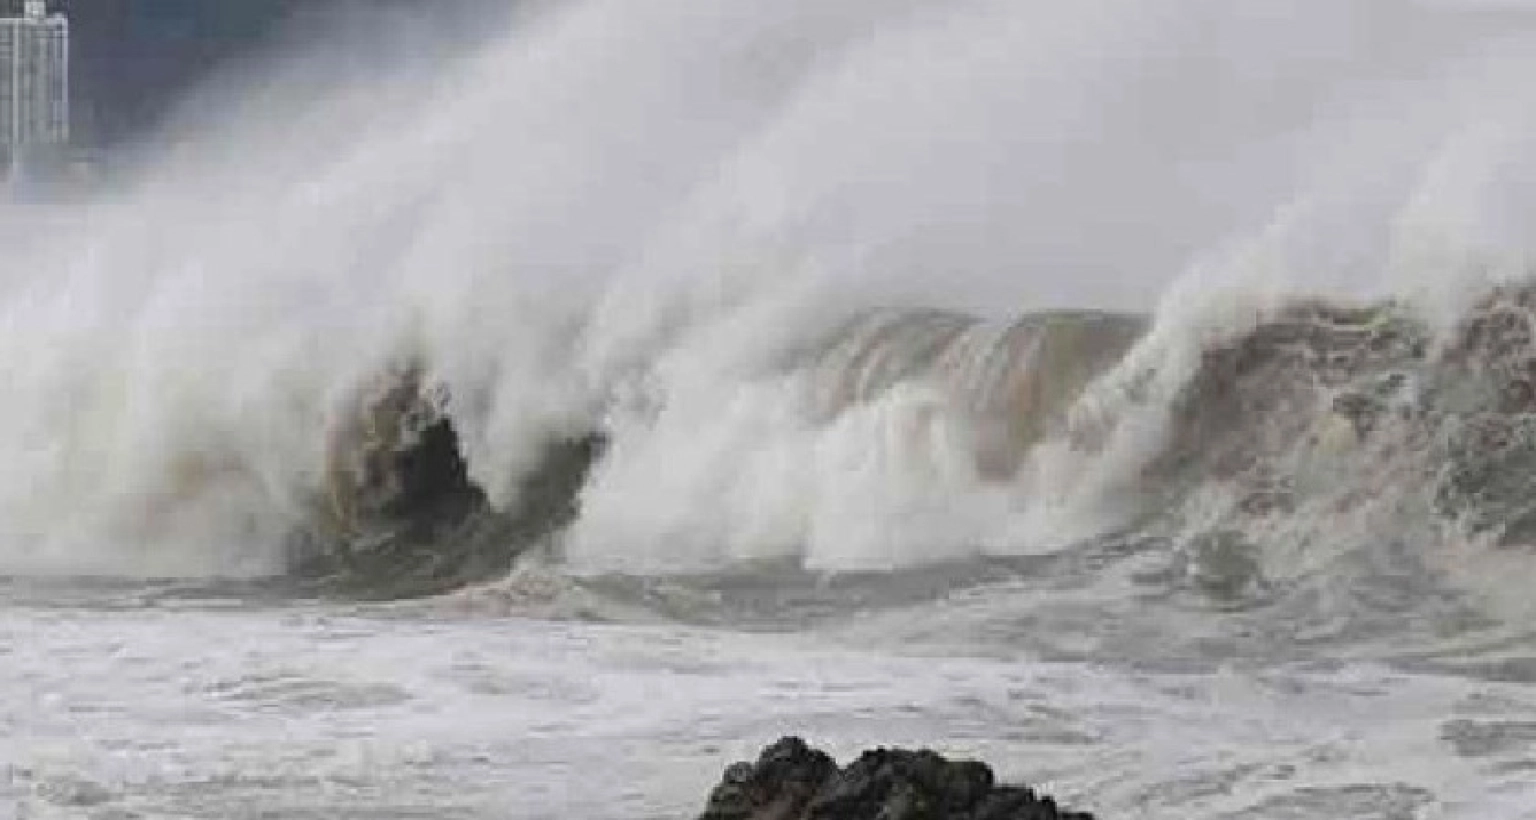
x,y
650,288
1321,435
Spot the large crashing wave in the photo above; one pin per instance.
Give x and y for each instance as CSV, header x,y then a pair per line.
x,y
1325,428
671,286
1331,429
399,508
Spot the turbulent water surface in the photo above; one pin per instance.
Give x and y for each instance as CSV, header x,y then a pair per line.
x,y
1142,399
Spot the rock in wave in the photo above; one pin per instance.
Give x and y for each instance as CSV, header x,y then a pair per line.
x,y
792,781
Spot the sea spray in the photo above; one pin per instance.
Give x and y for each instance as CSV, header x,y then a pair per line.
x,y
643,225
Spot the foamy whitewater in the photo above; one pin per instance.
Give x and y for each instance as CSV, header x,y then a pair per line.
x,y
1138,396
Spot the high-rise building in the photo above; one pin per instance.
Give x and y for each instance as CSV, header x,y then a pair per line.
x,y
34,84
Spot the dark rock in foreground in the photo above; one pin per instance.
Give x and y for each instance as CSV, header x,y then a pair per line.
x,y
791,781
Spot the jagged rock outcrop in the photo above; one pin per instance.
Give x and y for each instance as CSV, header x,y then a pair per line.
x,y
792,781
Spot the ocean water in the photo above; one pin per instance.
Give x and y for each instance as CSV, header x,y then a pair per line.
x,y
159,701
1141,399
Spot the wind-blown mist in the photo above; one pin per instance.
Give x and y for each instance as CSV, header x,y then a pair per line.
x,y
666,221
